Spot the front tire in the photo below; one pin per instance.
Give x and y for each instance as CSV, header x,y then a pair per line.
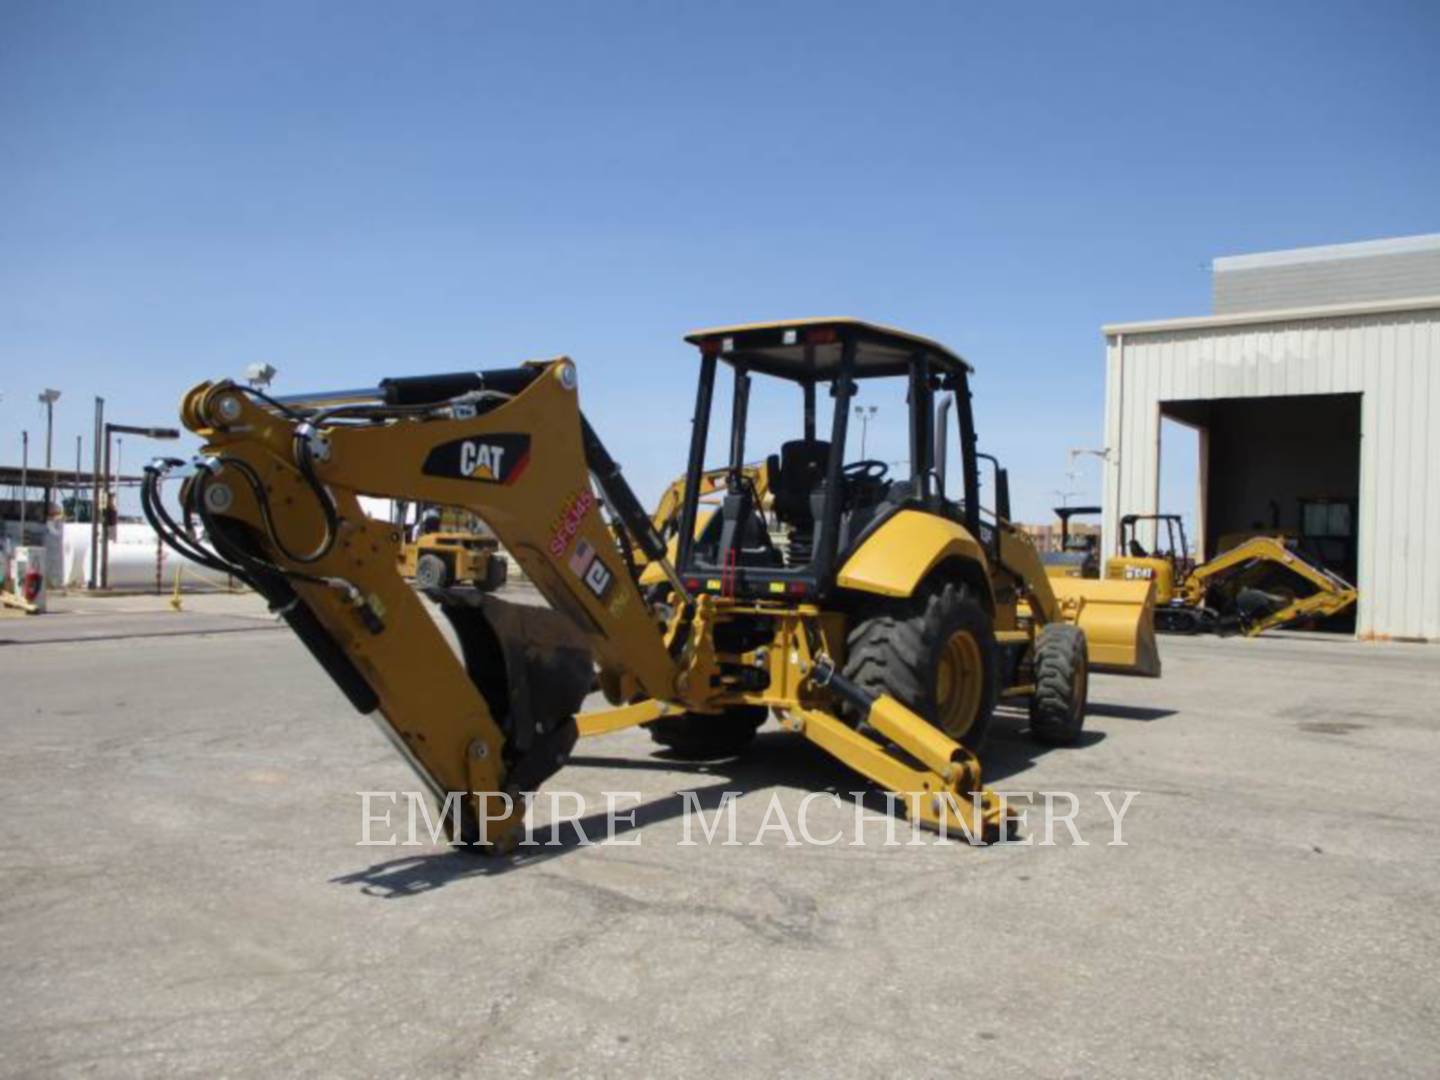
x,y
1062,685
935,654
431,572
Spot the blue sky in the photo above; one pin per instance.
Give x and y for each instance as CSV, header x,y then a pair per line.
x,y
355,190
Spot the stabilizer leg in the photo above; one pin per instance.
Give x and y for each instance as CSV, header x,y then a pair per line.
x,y
944,792
604,721
958,806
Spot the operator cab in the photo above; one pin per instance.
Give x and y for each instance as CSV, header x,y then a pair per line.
x,y
821,502
1172,547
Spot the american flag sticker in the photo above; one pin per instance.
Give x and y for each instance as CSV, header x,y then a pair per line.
x,y
582,557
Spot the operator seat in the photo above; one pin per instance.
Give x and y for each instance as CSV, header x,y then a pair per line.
x,y
795,476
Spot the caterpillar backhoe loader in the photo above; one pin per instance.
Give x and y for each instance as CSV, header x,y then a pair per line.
x,y
1079,554
666,515
882,625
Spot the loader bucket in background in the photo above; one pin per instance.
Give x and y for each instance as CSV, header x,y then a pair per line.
x,y
534,669
1118,618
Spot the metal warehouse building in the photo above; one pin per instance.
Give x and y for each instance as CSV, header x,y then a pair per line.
x,y
1315,389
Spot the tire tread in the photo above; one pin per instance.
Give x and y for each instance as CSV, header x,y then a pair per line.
x,y
1059,650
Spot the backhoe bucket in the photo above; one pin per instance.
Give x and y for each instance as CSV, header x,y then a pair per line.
x,y
1118,618
534,669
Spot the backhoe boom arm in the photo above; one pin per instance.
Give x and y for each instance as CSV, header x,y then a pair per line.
x,y
279,488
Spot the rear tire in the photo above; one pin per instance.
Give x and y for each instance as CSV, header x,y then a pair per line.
x,y
431,572
1062,685
708,737
935,654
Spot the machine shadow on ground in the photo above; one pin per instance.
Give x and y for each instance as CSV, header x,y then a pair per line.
x,y
776,760
1142,713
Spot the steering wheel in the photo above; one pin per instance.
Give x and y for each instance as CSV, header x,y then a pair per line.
x,y
869,469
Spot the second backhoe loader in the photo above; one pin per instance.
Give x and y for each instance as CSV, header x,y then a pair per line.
x,y
872,614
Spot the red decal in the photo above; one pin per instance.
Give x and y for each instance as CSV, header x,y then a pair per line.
x,y
569,521
518,468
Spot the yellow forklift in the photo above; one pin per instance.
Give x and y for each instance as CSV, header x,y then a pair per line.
x,y
870,613
450,548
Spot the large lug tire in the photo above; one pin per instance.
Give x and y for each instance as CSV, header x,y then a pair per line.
x,y
935,654
1062,685
707,737
431,572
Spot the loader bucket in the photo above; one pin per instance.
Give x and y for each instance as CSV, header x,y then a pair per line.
x,y
1118,618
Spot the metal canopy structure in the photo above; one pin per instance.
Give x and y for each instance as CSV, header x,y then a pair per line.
x,y
811,349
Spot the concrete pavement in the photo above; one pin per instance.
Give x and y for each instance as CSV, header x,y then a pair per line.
x,y
181,890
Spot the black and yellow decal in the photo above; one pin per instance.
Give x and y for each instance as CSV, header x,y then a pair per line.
x,y
491,459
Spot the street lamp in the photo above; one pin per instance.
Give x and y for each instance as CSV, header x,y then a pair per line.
x,y
1103,455
866,413
48,399
123,429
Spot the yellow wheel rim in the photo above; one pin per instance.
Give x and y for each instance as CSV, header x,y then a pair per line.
x,y
959,685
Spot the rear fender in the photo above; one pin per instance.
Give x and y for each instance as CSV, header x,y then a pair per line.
x,y
909,547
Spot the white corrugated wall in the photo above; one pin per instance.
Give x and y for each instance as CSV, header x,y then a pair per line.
x,y
1389,353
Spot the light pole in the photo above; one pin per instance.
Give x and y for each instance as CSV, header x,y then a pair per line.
x,y
125,429
24,480
48,399
1103,455
866,413
75,502
95,492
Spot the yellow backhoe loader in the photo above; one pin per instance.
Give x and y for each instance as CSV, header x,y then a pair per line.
x,y
882,625
1079,554
666,515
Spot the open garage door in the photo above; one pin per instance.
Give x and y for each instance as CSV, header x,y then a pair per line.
x,y
1288,464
